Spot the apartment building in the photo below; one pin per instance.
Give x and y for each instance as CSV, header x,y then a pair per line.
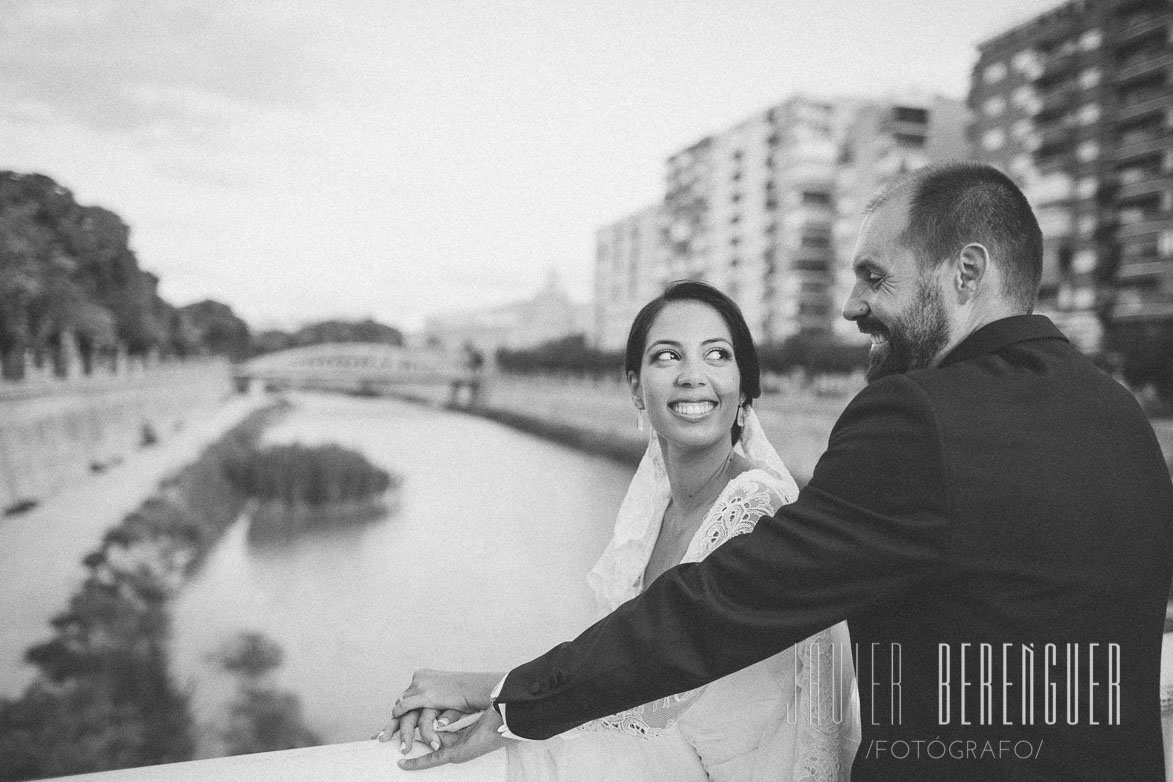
x,y
750,210
1077,105
884,140
630,271
768,210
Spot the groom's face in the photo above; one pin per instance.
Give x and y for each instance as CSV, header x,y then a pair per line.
x,y
895,301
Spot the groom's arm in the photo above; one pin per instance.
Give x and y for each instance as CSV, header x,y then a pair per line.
x,y
867,528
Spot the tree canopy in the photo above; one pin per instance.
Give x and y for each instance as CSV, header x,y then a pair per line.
x,y
68,268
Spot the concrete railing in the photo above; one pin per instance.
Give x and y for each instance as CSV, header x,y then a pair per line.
x,y
360,761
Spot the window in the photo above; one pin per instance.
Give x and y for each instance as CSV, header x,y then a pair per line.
x,y
910,114
1020,165
1084,261
1087,225
1027,62
994,106
1020,128
909,140
994,73
1088,113
817,241
993,139
1022,96
1166,243
1086,187
1091,40
816,197
1087,151
1089,78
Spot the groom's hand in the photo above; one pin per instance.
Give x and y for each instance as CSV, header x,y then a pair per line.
x,y
464,692
478,739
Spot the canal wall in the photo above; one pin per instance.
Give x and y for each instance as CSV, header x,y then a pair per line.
x,y
55,431
597,415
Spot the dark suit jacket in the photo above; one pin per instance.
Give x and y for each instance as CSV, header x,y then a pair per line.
x,y
1013,497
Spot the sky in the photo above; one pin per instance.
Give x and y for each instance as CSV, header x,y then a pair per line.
x,y
399,159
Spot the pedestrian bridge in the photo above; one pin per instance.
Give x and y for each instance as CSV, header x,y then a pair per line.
x,y
363,368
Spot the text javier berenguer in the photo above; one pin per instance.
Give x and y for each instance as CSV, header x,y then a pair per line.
x,y
1028,683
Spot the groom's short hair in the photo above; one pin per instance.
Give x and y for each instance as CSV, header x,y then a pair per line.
x,y
954,203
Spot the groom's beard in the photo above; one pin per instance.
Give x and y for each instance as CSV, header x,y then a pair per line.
x,y
914,340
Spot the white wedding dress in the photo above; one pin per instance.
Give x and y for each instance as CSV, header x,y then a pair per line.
x,y
790,718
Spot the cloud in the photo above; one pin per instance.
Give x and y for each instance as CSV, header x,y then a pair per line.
x,y
124,66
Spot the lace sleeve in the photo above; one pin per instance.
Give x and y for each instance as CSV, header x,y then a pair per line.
x,y
746,499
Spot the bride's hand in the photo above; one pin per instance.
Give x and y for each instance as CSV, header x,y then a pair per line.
x,y
478,739
430,693
435,729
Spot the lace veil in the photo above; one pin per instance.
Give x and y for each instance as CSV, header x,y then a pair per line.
x,y
618,575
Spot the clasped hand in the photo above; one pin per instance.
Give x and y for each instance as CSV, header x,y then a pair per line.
x,y
452,712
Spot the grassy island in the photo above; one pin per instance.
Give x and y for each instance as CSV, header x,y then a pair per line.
x,y
299,487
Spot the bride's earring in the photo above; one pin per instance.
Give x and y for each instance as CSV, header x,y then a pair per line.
x,y
741,416
639,420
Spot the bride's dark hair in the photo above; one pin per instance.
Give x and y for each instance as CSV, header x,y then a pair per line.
x,y
745,352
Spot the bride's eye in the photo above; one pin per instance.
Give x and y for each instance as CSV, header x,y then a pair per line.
x,y
719,354
663,355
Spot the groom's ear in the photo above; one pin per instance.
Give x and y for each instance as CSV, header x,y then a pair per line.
x,y
636,396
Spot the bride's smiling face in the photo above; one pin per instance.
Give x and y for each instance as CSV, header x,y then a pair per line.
x,y
689,381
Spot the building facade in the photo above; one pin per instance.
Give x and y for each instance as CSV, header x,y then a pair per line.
x,y
630,271
768,211
1077,105
548,315
751,210
884,140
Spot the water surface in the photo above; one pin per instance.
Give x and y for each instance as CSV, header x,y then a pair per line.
x,y
480,567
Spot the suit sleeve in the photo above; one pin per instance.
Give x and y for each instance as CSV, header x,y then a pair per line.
x,y
869,526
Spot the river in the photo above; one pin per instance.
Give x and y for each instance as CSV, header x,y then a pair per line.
x,y
479,567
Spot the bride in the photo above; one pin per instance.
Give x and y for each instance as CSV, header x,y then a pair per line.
x,y
708,474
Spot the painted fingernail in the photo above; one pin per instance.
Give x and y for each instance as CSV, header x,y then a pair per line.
x,y
442,722
403,747
436,744
379,736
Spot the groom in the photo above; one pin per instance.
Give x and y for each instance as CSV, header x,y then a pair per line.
x,y
992,517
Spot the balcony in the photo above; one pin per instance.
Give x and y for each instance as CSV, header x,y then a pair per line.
x,y
1143,269
891,126
359,761
1140,24
1152,182
1149,223
1143,145
1144,102
1055,104
1055,69
1144,63
1142,310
